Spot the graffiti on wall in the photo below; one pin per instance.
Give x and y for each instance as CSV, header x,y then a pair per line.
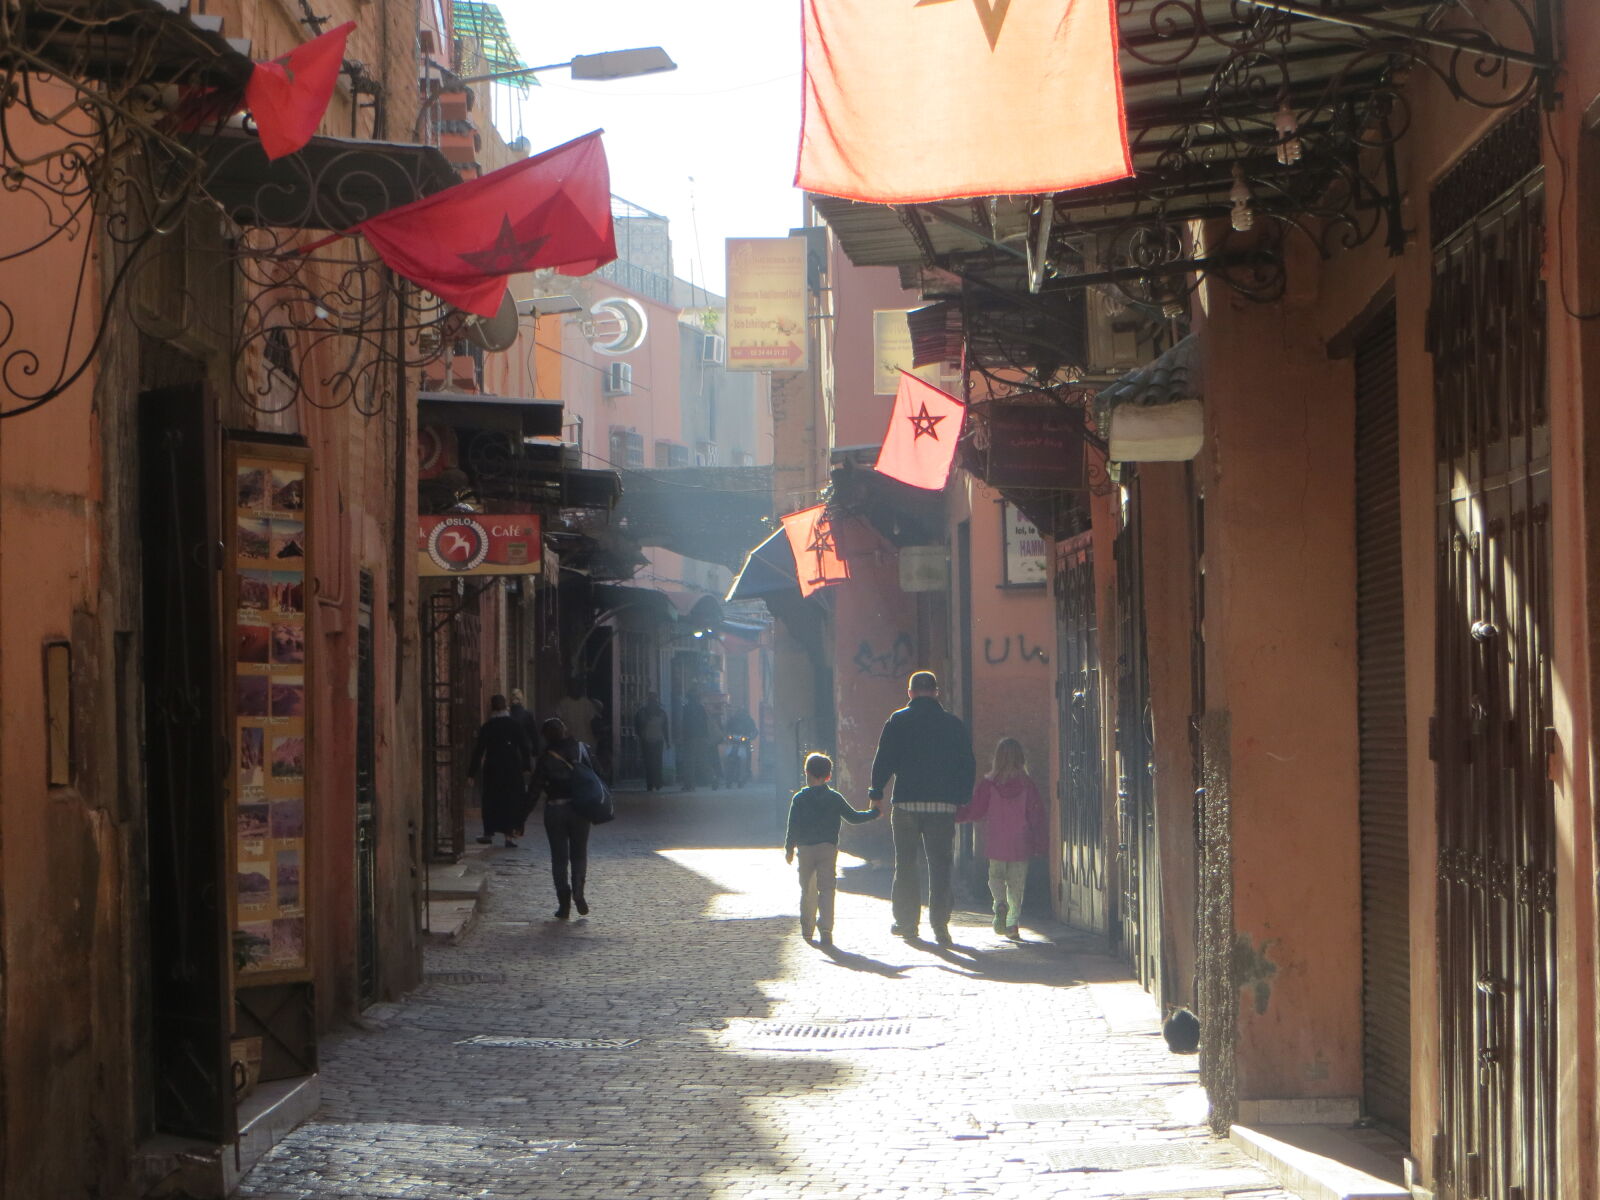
x,y
888,664
995,656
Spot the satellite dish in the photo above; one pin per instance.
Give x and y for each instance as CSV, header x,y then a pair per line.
x,y
498,332
617,325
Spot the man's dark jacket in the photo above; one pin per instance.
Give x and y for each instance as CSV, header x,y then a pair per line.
x,y
928,753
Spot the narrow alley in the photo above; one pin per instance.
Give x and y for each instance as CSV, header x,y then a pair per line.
x,y
719,1055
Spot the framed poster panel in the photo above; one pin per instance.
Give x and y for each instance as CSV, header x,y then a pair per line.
x,y
264,597
1024,557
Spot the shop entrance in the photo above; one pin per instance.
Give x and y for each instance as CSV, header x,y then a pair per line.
x,y
187,902
1496,867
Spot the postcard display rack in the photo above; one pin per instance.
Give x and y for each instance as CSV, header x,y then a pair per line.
x,y
264,605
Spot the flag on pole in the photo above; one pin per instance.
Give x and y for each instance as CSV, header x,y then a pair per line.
x,y
909,101
288,97
463,244
817,561
921,442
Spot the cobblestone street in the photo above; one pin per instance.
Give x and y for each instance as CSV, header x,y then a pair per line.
x,y
747,1063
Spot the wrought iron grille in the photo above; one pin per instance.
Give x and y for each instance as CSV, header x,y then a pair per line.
x,y
1495,800
1080,789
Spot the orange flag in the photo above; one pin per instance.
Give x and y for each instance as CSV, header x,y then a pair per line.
x,y
917,100
921,442
816,552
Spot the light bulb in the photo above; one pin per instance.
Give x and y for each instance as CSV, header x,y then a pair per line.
x,y
1289,146
1243,215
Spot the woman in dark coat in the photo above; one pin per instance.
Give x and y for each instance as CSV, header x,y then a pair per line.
x,y
567,831
504,757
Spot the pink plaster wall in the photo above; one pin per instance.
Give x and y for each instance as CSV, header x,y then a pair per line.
x,y
1280,626
860,415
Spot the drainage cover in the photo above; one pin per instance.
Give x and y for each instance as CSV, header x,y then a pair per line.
x,y
464,977
1088,1109
550,1043
1130,1157
894,1034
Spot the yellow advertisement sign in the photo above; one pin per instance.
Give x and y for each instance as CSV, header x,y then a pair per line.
x,y
891,352
767,304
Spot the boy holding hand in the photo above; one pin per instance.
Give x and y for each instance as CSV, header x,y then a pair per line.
x,y
814,816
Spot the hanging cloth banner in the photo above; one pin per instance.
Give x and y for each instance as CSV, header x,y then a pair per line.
x,y
909,101
289,96
464,243
817,561
920,444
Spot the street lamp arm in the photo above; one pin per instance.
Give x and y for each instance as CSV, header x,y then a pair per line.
x,y
610,64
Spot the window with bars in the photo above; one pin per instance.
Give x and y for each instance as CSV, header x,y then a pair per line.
x,y
627,447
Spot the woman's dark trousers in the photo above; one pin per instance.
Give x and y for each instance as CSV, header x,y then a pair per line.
x,y
569,849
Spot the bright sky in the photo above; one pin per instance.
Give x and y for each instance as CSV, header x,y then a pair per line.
x,y
728,117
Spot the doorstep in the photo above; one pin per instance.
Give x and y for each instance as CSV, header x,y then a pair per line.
x,y
1327,1162
174,1166
455,897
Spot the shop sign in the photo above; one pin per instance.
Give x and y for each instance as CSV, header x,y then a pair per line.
x,y
480,544
1034,446
767,304
268,548
1026,562
924,568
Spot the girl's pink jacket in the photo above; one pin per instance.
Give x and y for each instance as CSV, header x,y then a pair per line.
x,y
1014,819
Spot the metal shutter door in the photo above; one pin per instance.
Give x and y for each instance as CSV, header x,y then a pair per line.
x,y
1381,656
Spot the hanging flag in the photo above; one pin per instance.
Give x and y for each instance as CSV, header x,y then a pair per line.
x,y
816,551
909,101
921,442
463,244
289,96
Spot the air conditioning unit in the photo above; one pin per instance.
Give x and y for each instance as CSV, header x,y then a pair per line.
x,y
713,349
619,379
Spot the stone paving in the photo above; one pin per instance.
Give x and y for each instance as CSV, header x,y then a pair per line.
x,y
720,1056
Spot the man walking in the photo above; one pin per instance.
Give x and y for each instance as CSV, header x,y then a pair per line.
x,y
651,727
928,753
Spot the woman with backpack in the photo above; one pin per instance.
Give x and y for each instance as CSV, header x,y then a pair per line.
x,y
555,775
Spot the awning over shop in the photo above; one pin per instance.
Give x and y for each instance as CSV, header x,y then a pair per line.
x,y
767,570
333,183
516,415
1155,413
647,603
708,513
107,39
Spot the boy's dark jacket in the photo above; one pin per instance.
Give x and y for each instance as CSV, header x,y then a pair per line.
x,y
928,753
815,813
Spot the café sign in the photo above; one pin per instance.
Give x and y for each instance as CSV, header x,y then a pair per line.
x,y
479,544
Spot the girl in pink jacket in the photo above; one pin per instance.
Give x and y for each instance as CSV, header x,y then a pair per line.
x,y
1009,805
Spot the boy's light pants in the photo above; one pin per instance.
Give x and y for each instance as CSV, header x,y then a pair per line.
x,y
818,868
1006,882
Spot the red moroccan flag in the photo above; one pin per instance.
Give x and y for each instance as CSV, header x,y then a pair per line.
x,y
816,551
462,244
923,428
289,96
918,100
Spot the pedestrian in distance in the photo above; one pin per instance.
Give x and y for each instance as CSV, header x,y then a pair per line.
x,y
1012,811
814,815
697,752
654,731
567,832
530,729
927,752
503,757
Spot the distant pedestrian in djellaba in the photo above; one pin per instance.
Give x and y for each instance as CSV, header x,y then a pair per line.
x,y
814,816
1008,804
502,757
